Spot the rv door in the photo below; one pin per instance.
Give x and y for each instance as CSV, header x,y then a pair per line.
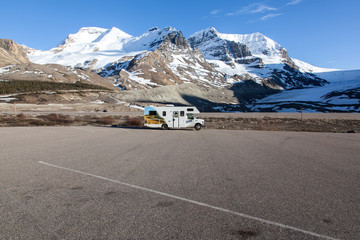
x,y
175,119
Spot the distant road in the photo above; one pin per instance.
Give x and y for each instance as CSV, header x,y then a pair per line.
x,y
349,116
123,183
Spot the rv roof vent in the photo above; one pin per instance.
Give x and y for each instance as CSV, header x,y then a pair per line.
x,y
170,105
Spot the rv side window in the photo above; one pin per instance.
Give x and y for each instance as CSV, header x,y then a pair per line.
x,y
152,113
164,113
182,113
190,109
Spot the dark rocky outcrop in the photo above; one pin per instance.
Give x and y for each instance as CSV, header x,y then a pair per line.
x,y
292,78
221,49
177,39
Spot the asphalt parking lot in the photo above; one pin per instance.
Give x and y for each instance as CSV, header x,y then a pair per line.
x,y
122,183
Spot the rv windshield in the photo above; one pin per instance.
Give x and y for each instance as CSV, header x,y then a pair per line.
x,y
190,116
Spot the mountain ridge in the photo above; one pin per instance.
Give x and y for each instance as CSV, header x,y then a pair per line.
x,y
252,65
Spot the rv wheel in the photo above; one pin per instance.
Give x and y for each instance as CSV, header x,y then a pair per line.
x,y
197,126
164,127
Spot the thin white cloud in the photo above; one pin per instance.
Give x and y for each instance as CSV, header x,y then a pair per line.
x,y
252,8
215,11
294,2
269,16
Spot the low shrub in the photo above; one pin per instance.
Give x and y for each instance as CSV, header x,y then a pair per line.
x,y
134,122
107,120
56,119
21,116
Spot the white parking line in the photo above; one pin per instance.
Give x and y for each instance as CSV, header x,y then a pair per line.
x,y
125,130
196,202
83,129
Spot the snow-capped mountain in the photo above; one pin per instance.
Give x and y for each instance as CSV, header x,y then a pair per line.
x,y
156,58
252,54
251,65
93,47
219,46
90,47
223,59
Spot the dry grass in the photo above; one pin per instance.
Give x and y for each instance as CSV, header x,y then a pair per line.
x,y
284,124
107,120
133,122
56,119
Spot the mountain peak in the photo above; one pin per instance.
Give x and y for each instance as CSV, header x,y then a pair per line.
x,y
84,35
257,43
119,32
210,32
111,36
211,29
94,34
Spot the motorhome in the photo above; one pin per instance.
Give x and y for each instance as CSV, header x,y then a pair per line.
x,y
171,116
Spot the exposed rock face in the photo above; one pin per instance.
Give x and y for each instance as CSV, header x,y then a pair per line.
x,y
238,50
177,39
11,53
153,66
218,48
293,78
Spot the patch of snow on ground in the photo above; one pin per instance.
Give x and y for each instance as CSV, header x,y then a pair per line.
x,y
98,102
84,77
136,106
133,76
8,98
6,69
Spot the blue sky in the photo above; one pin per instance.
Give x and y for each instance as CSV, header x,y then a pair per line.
x,y
324,33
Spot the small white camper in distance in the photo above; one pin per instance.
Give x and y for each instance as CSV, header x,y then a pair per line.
x,y
172,117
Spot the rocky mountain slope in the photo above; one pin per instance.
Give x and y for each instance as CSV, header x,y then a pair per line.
x,y
15,65
11,53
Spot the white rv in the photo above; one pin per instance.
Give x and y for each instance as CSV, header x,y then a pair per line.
x,y
172,117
